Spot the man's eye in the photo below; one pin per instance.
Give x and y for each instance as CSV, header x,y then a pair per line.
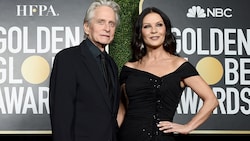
x,y
112,24
100,22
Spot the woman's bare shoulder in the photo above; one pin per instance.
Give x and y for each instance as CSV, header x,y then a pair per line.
x,y
179,60
130,64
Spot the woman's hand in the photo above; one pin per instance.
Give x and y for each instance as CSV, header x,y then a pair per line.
x,y
170,127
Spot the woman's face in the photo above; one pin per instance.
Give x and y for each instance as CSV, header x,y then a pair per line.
x,y
153,30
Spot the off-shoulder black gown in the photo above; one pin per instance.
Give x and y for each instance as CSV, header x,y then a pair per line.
x,y
151,99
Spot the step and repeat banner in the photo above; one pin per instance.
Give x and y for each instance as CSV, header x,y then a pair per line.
x,y
31,33
214,36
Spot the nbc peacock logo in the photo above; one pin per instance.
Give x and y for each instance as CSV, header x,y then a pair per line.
x,y
196,11
218,12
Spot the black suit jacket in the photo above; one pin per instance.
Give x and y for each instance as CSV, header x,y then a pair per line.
x,y
80,107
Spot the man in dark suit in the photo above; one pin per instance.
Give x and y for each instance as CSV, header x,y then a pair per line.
x,y
83,106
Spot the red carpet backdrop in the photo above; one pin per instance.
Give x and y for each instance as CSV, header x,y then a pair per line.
x,y
214,36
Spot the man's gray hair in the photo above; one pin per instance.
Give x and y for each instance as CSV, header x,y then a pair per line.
x,y
110,3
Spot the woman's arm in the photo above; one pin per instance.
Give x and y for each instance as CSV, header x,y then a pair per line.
x,y
210,102
122,106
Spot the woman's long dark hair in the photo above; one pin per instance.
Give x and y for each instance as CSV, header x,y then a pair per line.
x,y
137,42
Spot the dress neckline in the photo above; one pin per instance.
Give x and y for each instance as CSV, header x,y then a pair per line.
x,y
149,73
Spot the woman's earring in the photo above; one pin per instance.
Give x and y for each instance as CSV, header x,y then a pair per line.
x,y
165,44
142,47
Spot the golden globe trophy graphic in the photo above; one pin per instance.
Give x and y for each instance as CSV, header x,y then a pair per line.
x,y
35,69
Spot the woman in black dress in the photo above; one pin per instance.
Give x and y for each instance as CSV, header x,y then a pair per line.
x,y
152,83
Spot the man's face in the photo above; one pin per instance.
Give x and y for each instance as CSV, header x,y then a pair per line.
x,y
101,28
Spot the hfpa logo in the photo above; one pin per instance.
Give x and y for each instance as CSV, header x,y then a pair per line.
x,y
31,10
198,12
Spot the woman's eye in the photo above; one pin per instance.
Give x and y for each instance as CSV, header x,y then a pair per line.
x,y
159,24
146,26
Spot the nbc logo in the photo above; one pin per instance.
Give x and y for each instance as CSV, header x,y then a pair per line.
x,y
199,12
196,11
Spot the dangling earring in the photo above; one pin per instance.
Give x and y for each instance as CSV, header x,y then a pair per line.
x,y
142,47
165,44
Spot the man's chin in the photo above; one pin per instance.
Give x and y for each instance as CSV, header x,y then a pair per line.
x,y
105,42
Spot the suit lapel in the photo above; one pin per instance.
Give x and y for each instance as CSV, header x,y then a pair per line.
x,y
91,65
116,95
